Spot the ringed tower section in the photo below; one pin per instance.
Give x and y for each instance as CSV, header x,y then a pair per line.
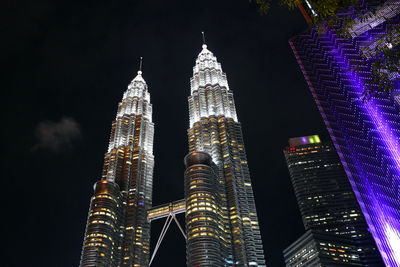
x,y
214,128
117,231
130,162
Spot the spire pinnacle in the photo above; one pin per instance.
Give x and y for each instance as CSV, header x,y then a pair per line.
x,y
140,65
204,40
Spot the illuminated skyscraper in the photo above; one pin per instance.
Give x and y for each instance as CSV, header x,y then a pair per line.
x,y
365,134
221,219
319,249
205,244
214,129
328,207
117,231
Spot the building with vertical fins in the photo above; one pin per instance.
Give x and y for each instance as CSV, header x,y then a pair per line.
x,y
215,130
337,231
365,133
117,230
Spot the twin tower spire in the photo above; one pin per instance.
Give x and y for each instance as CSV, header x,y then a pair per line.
x,y
221,224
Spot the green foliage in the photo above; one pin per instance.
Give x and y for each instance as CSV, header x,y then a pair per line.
x,y
264,6
385,62
325,8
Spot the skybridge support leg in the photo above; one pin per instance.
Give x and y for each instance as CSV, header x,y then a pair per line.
x,y
162,234
171,216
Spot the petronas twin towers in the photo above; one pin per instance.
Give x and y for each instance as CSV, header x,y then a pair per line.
x,y
221,220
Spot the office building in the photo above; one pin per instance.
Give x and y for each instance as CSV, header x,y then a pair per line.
x,y
326,200
318,249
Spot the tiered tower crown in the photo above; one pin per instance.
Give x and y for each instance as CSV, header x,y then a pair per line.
x,y
136,89
135,102
207,71
210,95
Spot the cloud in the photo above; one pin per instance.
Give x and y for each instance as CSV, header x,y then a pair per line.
x,y
57,136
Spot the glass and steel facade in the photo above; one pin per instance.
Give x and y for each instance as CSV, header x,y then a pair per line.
x,y
214,129
102,236
117,231
205,245
221,221
326,200
365,133
318,249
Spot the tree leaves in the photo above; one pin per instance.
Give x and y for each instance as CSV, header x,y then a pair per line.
x,y
340,16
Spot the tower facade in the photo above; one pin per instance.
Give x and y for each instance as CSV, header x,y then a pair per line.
x,y
204,244
327,204
214,129
319,249
365,133
117,231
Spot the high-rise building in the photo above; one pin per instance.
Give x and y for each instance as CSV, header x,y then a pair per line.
x,y
319,249
215,129
117,231
221,220
327,203
365,133
205,243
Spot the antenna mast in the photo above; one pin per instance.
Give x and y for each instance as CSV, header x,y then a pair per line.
x,y
204,38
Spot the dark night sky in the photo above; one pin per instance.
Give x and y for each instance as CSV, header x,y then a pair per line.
x,y
66,67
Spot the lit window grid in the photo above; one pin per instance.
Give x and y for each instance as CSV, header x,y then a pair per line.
x,y
205,242
129,163
326,201
215,130
316,249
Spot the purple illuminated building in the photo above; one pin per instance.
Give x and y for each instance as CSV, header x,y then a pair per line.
x,y
366,135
